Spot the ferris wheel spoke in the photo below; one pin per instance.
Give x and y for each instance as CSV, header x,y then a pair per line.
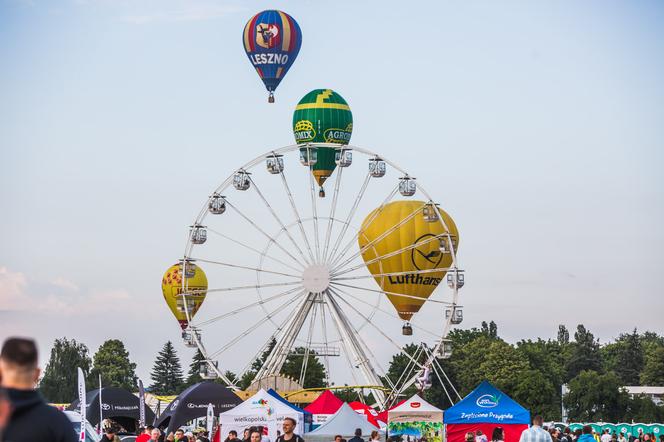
x,y
333,209
276,217
305,359
388,313
253,249
440,367
387,255
349,217
247,287
237,266
314,212
368,349
326,356
246,307
386,336
380,237
390,293
254,326
264,233
298,218
405,273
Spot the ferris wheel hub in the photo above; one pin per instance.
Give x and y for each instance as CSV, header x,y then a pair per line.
x,y
316,278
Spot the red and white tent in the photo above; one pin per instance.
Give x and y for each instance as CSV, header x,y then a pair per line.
x,y
323,407
367,411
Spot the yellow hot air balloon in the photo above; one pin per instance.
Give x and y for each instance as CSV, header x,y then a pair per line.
x,y
420,237
196,285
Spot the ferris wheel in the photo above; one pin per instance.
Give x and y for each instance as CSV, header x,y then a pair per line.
x,y
293,272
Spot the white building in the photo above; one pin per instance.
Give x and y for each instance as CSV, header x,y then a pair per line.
x,y
656,394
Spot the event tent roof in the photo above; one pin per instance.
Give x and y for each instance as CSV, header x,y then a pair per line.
x,y
326,403
276,395
487,404
192,403
366,411
415,403
344,422
116,403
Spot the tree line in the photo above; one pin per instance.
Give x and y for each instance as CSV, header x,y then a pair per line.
x,y
530,371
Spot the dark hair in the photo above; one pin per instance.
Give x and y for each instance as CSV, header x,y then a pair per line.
x,y
255,430
179,429
538,420
566,430
233,432
358,432
497,433
291,419
149,428
21,352
587,429
339,436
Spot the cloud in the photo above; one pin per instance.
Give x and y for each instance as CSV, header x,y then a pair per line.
x,y
189,11
12,289
64,284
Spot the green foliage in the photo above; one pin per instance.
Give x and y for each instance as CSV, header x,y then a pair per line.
x,y
653,368
563,335
60,381
112,362
314,376
629,358
193,375
584,354
595,397
167,372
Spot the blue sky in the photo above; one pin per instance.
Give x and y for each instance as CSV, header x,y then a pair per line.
x,y
537,125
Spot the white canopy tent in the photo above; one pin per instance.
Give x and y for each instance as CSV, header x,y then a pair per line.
x,y
262,409
415,420
343,422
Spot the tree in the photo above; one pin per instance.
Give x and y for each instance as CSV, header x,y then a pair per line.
x,y
250,374
563,335
193,375
653,368
595,397
584,354
540,387
402,365
314,377
629,358
490,329
167,372
112,362
60,381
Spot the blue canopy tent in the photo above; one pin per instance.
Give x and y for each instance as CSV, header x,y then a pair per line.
x,y
486,408
308,417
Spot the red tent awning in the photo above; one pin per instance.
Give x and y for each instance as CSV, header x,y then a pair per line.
x,y
326,403
366,410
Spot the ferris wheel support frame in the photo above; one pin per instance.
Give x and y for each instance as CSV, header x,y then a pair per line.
x,y
349,339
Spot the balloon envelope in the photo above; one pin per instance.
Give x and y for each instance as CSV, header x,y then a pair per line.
x,y
272,40
323,116
195,284
375,241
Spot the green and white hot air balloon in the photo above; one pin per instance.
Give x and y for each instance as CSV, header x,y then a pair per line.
x,y
322,116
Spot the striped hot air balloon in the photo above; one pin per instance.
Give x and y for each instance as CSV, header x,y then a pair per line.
x,y
272,40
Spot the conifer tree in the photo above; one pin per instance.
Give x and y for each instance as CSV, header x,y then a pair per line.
x,y
193,375
167,372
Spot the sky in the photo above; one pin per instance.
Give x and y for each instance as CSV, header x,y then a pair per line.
x,y
536,125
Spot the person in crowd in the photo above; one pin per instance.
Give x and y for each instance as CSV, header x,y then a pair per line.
x,y
289,428
110,434
480,437
189,436
255,435
577,434
32,419
606,436
565,436
661,438
587,435
338,438
155,434
145,435
535,433
357,437
203,436
245,435
375,436
621,437
470,437
232,436
498,435
553,432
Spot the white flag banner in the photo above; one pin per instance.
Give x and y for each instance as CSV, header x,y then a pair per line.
x,y
81,402
141,404
210,419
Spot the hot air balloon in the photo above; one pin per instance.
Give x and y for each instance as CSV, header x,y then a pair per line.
x,y
272,40
419,238
195,285
322,116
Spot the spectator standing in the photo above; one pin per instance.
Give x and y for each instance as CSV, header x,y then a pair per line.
x,y
32,419
587,435
498,435
357,437
606,436
289,431
470,437
145,435
480,437
621,437
375,436
535,433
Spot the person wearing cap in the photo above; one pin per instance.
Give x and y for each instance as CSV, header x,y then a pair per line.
x,y
109,435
